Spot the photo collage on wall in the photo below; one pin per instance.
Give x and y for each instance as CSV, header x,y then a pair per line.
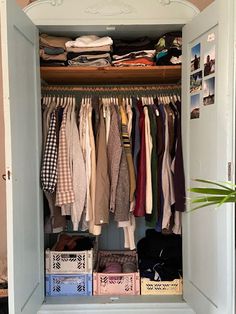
x,y
202,74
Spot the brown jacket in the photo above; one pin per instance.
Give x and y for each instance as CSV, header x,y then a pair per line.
x,y
114,151
102,183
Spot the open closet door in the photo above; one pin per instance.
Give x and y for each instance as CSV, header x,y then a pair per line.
x,y
19,43
208,138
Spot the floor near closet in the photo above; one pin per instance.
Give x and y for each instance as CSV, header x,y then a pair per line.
x,y
113,305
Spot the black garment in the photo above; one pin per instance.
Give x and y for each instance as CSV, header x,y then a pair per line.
x,y
165,60
121,47
74,243
52,63
160,120
160,256
155,245
159,271
84,244
95,115
170,40
4,305
176,121
179,178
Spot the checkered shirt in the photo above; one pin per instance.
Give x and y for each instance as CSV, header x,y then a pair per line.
x,y
65,192
49,164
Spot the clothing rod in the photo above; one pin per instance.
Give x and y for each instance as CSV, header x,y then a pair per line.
x,y
124,89
110,87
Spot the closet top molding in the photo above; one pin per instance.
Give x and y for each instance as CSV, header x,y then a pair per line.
x,y
110,17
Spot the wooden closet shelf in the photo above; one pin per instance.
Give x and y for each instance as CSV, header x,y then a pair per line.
x,y
111,75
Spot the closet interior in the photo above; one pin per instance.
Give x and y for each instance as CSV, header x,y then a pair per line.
x,y
124,157
206,288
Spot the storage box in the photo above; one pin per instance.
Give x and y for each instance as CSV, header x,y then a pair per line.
x,y
68,285
116,283
149,287
58,262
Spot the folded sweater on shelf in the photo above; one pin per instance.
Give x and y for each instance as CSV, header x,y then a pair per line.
x,y
89,41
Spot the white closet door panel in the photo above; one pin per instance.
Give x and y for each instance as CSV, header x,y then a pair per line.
x,y
208,148
22,129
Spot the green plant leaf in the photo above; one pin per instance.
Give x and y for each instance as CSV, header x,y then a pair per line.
x,y
217,199
214,191
226,198
213,183
201,206
208,204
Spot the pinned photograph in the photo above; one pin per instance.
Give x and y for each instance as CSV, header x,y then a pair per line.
x,y
196,82
195,106
209,92
209,61
195,57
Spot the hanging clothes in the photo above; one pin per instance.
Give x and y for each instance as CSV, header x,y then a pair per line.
x,y
49,165
102,177
151,218
167,177
114,152
65,192
78,174
127,149
139,210
148,150
114,158
179,181
94,229
135,134
54,221
122,199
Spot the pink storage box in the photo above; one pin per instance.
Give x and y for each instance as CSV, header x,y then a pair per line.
x,y
116,283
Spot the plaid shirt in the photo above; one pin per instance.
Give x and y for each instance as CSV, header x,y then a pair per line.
x,y
65,192
49,164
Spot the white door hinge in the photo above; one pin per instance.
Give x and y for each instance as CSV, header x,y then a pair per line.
x,y
229,171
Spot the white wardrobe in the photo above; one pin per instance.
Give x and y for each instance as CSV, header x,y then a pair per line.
x,y
208,143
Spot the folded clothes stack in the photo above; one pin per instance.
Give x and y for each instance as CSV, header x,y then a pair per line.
x,y
138,52
74,243
89,50
169,49
52,50
118,263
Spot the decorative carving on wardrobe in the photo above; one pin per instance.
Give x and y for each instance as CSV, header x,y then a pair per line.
x,y
184,2
56,2
105,12
110,7
52,2
164,2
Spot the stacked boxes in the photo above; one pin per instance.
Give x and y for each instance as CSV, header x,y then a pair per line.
x,y
72,274
69,273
